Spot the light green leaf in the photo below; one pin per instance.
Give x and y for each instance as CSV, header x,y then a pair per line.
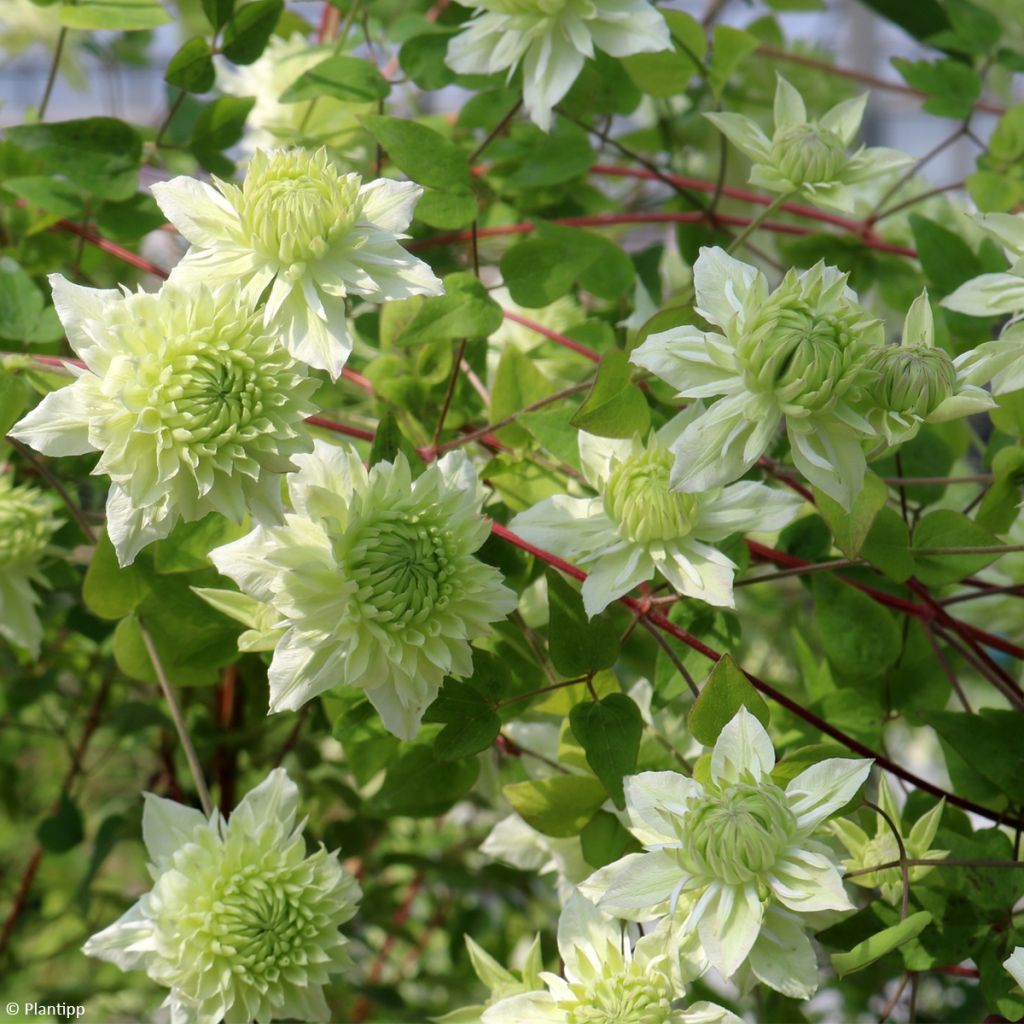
x,y
944,529
559,806
466,310
724,692
729,48
850,529
615,406
861,638
113,15
426,156
881,943
191,68
887,545
345,78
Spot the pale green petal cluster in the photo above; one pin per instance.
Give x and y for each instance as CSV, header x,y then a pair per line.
x,y
551,39
796,354
637,526
311,234
810,158
272,123
1015,965
612,976
241,925
373,580
738,858
27,523
191,402
882,848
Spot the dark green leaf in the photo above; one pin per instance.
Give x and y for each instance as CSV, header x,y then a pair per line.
x,y
426,156
609,730
944,529
577,645
191,68
615,406
248,32
724,692
861,638
62,830
418,786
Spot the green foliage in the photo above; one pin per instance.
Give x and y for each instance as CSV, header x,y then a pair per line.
x,y
724,692
609,730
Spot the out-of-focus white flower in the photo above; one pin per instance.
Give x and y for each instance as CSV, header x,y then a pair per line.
x,y
738,858
795,354
810,158
611,974
637,526
1015,965
374,580
27,523
311,234
192,402
552,39
272,123
240,924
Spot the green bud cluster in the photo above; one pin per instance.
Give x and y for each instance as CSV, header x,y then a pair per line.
x,y
638,498
806,154
26,525
913,379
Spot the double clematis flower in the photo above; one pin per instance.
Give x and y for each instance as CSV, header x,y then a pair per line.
x,y
192,403
241,925
738,858
810,158
795,355
637,526
312,235
551,39
372,581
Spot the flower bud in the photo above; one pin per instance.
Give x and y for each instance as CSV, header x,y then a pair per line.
x,y
807,154
26,525
912,380
638,498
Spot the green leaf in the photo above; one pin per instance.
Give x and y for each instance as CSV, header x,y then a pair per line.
x,y
999,508
128,220
418,786
538,271
887,545
188,546
345,78
62,830
24,316
951,85
946,259
604,840
724,692
942,529
50,194
472,724
112,15
218,11
993,192
220,125
425,156
466,310
559,806
608,273
448,210
609,730
577,645
191,68
422,58
729,48
12,399
850,529
563,155
989,742
110,591
615,406
517,384
860,637
867,952
99,154
249,30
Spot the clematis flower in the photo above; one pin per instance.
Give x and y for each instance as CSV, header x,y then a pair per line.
x,y
796,354
637,526
1015,965
882,848
809,158
739,859
551,39
273,123
311,234
240,924
193,404
374,581
611,975
27,523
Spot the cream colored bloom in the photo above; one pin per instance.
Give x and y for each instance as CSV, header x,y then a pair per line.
x,y
189,398
637,527
551,39
1015,965
27,523
374,581
313,235
241,925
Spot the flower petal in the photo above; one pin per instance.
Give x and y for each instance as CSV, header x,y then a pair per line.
x,y
168,825
742,749
654,800
729,926
823,788
783,957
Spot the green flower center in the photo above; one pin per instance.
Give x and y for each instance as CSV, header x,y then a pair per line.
x,y
294,204
807,154
738,835
638,498
628,997
403,566
25,527
914,379
798,354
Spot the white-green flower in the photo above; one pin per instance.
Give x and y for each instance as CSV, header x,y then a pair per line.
x,y
552,39
273,123
310,233
795,354
882,848
612,976
189,398
374,580
1001,293
737,858
1015,965
810,158
637,526
241,925
27,523
917,382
